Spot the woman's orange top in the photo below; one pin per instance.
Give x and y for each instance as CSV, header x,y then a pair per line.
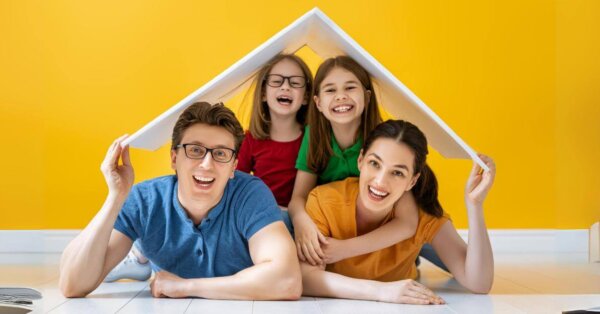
x,y
333,209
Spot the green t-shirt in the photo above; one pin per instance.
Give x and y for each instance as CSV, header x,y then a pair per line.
x,y
342,164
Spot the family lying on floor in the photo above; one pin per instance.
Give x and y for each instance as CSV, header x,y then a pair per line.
x,y
319,197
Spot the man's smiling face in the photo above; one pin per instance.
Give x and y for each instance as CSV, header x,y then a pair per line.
x,y
202,181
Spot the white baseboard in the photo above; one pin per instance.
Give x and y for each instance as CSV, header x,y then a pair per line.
x,y
35,241
537,240
503,240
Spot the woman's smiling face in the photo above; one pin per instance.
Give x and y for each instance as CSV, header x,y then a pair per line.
x,y
386,172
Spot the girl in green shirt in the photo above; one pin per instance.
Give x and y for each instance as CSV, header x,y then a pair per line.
x,y
343,110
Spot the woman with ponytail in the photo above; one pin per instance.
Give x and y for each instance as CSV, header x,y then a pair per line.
x,y
393,162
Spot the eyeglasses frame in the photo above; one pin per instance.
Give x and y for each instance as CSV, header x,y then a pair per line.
x,y
208,150
288,78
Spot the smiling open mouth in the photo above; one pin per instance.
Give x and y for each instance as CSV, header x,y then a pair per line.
x,y
377,194
203,181
284,100
343,109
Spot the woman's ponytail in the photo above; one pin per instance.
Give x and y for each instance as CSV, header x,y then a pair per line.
x,y
425,192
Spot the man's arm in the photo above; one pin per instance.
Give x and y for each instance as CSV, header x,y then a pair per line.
x,y
97,249
320,283
89,258
274,276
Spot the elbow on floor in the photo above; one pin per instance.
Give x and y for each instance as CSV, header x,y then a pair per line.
x,y
481,289
285,288
69,290
480,285
292,288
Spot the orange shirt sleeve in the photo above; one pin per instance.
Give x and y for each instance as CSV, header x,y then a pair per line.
x,y
315,211
431,225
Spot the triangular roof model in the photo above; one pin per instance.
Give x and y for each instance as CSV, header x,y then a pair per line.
x,y
317,31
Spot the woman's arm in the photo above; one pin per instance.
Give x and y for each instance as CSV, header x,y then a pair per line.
x,y
471,264
306,233
320,283
401,227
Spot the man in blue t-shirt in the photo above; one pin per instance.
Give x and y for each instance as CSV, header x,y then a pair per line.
x,y
211,232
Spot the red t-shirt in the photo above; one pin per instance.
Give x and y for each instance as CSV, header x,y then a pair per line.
x,y
273,162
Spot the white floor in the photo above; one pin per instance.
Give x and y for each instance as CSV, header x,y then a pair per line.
x,y
524,283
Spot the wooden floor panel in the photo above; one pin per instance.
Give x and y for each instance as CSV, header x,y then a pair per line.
x,y
523,283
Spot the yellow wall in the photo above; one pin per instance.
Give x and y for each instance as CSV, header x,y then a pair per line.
x,y
578,111
517,80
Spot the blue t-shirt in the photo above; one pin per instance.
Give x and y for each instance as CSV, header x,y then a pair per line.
x,y
218,246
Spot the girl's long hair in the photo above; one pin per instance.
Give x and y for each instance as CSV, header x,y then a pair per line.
x,y
319,148
260,121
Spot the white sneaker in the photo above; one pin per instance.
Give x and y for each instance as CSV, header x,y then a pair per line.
x,y
130,268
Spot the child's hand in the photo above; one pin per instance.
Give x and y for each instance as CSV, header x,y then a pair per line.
x,y
479,183
334,250
307,237
407,211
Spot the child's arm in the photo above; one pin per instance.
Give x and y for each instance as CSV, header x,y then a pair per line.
x,y
244,156
306,233
401,227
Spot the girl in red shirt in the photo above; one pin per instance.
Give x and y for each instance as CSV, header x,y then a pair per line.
x,y
280,103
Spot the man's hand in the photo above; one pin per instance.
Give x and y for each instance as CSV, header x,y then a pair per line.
x,y
119,178
167,285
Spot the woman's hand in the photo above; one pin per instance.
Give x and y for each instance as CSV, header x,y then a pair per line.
x,y
307,237
479,183
119,178
407,291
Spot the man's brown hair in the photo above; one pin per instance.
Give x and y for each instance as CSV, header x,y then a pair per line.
x,y
213,115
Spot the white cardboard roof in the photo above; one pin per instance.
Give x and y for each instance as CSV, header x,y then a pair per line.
x,y
317,31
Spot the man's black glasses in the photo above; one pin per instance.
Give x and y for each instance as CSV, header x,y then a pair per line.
x,y
197,151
